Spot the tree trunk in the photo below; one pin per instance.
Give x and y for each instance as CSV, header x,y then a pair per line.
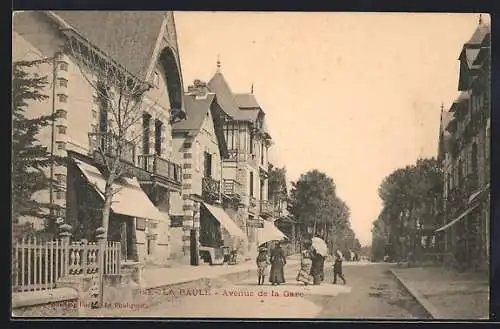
x,y
106,211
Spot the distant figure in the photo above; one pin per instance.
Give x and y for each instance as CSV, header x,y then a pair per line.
x,y
262,263
304,274
337,268
278,261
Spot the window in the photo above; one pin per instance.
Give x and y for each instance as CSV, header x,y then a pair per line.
x,y
61,114
94,114
158,139
208,165
61,145
460,172
61,179
61,130
146,118
59,195
474,158
62,98
196,156
251,142
150,246
61,82
251,183
262,154
63,66
103,119
156,79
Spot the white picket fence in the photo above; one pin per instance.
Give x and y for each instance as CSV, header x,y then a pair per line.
x,y
37,265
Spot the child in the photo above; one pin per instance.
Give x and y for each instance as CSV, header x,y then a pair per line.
x,y
262,263
337,267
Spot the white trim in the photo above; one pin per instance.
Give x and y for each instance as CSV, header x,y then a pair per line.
x,y
154,55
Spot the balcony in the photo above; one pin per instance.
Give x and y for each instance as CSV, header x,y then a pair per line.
x,y
105,143
231,188
210,189
163,169
266,208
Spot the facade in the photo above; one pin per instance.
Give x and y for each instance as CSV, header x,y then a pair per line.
x,y
152,182
245,171
465,153
200,140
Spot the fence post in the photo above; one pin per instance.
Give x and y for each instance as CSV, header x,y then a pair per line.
x,y
101,236
65,235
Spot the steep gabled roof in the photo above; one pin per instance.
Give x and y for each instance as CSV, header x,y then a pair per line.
x,y
225,96
250,115
477,37
196,112
246,101
127,37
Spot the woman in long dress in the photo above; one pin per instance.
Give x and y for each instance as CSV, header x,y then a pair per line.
x,y
278,261
304,274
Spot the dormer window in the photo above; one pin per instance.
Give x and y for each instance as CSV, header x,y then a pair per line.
x,y
62,98
62,82
63,66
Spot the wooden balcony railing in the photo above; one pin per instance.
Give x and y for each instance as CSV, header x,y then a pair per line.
x,y
266,208
236,155
210,189
232,188
107,143
160,167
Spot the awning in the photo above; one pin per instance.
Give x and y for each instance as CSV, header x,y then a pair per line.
x,y
225,221
479,193
271,233
453,222
128,197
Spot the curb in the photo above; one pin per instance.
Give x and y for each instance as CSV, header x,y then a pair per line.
x,y
427,306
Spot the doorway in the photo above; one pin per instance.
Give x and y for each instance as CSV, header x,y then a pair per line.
x,y
121,229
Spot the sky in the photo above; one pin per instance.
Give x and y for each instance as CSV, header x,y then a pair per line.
x,y
355,95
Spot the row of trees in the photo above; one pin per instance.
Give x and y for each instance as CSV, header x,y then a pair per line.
x,y
411,210
316,208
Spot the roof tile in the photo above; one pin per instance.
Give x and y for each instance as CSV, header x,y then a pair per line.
x,y
127,37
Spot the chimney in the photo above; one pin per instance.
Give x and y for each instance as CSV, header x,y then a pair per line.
x,y
198,88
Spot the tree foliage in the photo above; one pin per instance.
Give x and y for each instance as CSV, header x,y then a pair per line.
x,y
411,198
29,157
277,189
316,207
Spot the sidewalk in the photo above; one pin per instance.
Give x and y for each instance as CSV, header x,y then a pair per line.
x,y
447,294
157,277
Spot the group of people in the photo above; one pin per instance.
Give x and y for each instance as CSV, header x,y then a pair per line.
x,y
277,259
311,268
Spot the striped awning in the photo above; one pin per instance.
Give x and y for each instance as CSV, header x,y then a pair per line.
x,y
456,220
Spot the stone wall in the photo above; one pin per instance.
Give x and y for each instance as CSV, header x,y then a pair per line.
x,y
51,303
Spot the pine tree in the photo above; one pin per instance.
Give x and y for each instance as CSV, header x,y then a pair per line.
x,y
29,157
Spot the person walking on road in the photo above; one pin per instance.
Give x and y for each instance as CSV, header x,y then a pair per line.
x,y
317,268
304,274
337,268
278,261
262,263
